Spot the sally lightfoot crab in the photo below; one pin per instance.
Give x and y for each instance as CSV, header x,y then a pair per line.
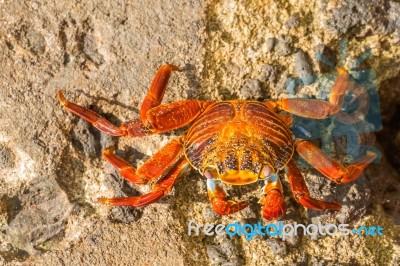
x,y
234,142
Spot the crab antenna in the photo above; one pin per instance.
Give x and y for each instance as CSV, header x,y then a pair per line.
x,y
321,57
362,58
342,49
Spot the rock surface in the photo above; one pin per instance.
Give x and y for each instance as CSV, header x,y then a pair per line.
x,y
104,56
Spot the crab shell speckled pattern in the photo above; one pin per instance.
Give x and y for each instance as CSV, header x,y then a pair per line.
x,y
236,139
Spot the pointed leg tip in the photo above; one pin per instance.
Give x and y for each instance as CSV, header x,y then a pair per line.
x,y
342,70
60,97
104,200
332,206
170,67
108,151
175,68
336,206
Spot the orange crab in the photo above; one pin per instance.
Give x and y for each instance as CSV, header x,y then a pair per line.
x,y
234,142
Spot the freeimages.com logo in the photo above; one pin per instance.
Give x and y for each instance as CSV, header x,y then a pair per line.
x,y
281,229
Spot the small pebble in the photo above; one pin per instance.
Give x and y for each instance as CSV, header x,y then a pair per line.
x,y
269,44
277,247
36,42
293,21
284,45
209,215
90,49
251,90
7,157
268,73
303,67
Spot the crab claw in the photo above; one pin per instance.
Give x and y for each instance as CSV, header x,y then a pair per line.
x,y
218,195
274,205
224,207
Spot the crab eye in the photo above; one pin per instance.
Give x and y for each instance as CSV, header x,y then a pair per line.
x,y
210,173
266,171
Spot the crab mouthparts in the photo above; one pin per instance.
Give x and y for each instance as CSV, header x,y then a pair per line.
x,y
241,177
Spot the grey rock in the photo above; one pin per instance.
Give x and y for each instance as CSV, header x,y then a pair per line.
x,y
393,17
355,197
293,21
278,247
106,141
11,206
281,84
125,215
224,251
136,39
215,254
251,90
291,85
293,241
303,67
44,209
90,49
210,215
352,14
269,44
7,157
268,73
285,45
324,85
36,42
86,138
316,262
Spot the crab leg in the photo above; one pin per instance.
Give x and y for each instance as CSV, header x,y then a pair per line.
x,y
157,89
217,196
154,118
330,168
174,115
273,203
160,119
160,189
156,167
318,109
301,193
92,117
